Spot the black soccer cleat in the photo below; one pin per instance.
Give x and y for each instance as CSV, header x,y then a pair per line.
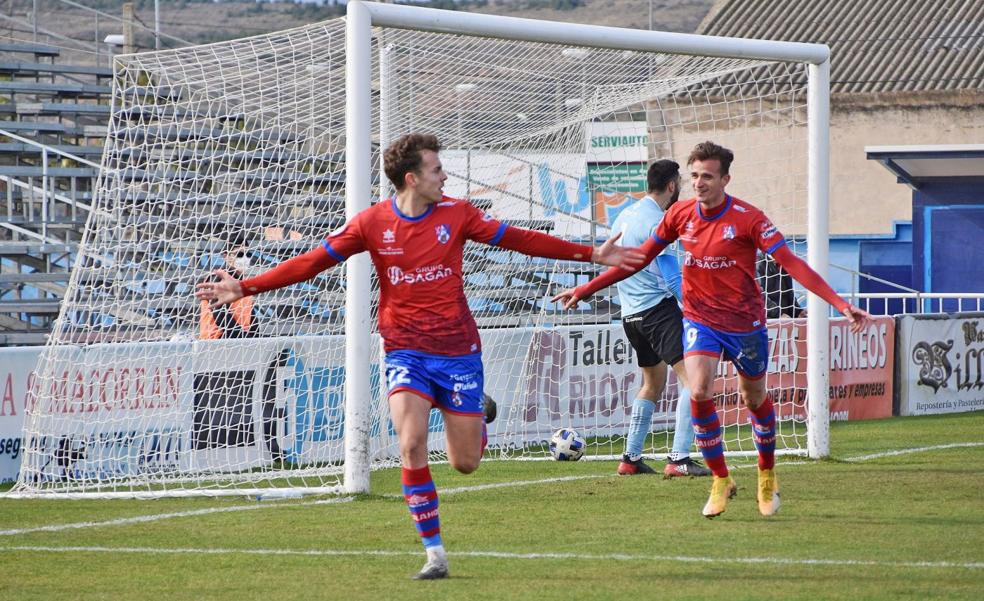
x,y
631,468
685,467
490,409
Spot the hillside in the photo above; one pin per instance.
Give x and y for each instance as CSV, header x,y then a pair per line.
x,y
76,30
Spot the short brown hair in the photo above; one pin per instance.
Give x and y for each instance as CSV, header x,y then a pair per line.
x,y
709,150
403,156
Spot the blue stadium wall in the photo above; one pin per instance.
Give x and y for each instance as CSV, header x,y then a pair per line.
x,y
948,236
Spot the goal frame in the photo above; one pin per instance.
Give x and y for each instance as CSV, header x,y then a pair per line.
x,y
361,17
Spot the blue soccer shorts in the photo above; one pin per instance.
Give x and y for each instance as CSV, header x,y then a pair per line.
x,y
749,352
453,384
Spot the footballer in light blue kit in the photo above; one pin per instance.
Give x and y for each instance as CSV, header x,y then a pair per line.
x,y
653,324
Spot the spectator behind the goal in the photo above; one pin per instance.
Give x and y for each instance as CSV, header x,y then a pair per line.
x,y
235,320
433,352
777,286
724,311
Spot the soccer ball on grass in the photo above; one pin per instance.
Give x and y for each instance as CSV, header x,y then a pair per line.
x,y
566,445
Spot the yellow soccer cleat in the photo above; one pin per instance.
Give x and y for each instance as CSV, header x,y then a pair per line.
x,y
768,492
722,489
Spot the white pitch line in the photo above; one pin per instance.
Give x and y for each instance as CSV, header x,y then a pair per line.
x,y
510,555
449,491
165,516
860,458
477,487
956,445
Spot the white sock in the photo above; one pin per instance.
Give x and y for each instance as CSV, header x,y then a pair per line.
x,y
437,554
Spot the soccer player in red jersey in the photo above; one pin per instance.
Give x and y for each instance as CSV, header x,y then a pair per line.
x,y
433,350
724,311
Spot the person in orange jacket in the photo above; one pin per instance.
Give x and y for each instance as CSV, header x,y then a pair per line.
x,y
235,320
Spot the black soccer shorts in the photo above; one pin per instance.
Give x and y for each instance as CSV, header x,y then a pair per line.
x,y
656,334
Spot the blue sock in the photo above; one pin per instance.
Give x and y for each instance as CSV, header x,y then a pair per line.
x,y
683,434
639,426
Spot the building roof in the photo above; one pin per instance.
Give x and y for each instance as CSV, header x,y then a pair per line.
x,y
876,45
914,165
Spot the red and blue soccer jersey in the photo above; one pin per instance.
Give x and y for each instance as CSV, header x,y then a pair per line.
x,y
422,303
719,287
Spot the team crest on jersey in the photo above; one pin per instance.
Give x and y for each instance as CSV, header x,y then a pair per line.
x,y
389,237
443,232
729,232
690,226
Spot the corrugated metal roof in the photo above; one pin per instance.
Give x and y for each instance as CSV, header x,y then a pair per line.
x,y
876,45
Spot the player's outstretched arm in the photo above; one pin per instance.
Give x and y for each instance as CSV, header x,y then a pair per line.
x,y
856,316
570,297
804,274
228,289
224,290
538,244
613,255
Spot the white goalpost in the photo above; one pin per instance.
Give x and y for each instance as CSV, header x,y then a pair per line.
x,y
261,146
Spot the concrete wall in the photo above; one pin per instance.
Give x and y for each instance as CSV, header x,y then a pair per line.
x,y
770,169
865,197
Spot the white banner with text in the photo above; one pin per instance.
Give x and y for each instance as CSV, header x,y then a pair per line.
x,y
941,363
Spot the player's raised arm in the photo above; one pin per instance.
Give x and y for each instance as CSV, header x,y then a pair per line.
x,y
811,280
228,289
649,250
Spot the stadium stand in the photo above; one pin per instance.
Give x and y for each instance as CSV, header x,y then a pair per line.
x,y
52,122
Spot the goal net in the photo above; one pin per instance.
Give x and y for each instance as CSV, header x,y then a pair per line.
x,y
238,150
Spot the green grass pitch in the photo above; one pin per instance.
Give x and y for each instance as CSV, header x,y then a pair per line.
x,y
906,523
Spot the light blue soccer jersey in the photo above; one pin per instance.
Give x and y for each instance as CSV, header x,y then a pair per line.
x,y
661,278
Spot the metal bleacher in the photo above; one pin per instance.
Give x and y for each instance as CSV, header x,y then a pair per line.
x,y
52,123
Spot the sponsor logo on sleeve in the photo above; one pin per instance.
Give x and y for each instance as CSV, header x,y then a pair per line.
x,y
768,230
